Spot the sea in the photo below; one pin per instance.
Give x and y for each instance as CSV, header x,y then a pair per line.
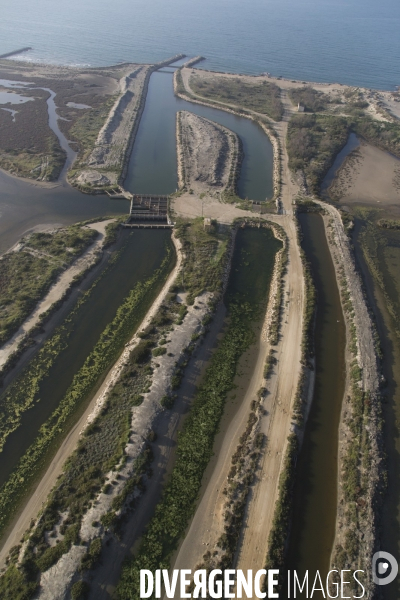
x,y
356,42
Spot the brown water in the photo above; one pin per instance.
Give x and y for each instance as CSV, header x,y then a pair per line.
x,y
315,493
24,205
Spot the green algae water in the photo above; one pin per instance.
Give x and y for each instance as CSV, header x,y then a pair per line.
x,y
140,253
315,492
252,266
246,299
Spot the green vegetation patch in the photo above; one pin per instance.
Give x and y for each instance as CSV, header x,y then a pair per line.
x,y
305,205
312,100
80,590
28,147
100,449
26,276
380,243
262,97
382,134
270,362
193,454
14,584
86,128
313,141
22,392
280,524
389,223
356,463
205,252
195,442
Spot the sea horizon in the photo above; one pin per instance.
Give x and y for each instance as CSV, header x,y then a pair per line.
x,y
356,43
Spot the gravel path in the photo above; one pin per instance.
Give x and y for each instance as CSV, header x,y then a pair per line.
x,y
276,424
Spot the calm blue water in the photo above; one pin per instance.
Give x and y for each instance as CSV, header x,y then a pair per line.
x,y
350,41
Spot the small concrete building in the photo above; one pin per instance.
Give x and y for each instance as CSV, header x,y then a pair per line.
x,y
207,223
300,108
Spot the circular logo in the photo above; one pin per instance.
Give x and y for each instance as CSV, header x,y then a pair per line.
x,y
384,568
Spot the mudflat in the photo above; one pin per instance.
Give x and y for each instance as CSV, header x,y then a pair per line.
x,y
369,176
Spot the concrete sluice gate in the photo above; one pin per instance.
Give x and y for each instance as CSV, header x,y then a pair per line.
x,y
148,211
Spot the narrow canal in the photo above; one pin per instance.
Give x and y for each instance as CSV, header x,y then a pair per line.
x,y
152,168
351,144
23,205
315,493
153,164
85,328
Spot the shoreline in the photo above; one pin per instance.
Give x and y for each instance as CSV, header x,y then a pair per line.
x,y
281,174
49,185
73,67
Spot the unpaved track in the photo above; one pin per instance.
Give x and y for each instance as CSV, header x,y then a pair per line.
x,y
57,290
275,425
207,524
205,528
35,502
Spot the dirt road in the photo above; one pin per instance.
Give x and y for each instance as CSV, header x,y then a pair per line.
x,y
39,496
207,523
57,290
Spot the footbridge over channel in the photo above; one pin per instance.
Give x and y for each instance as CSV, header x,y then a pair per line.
x,y
149,211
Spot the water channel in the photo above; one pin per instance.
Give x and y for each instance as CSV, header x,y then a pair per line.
x,y
85,329
152,167
351,144
23,205
315,491
386,327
